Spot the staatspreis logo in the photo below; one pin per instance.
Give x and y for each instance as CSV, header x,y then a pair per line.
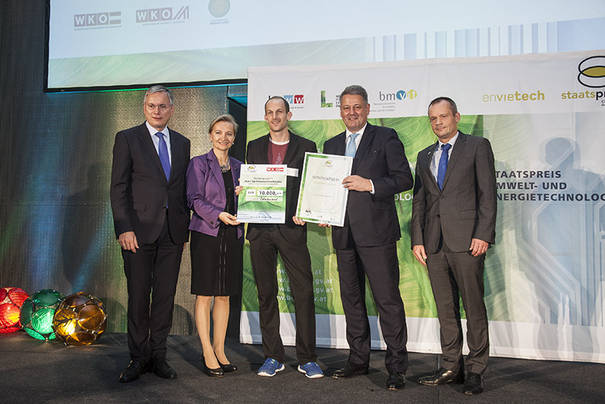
x,y
592,72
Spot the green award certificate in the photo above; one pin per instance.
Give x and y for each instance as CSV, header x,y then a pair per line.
x,y
263,197
322,197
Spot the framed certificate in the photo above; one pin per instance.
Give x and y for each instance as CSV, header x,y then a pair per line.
x,y
263,197
322,197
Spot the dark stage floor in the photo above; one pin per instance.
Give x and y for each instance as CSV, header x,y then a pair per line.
x,y
36,372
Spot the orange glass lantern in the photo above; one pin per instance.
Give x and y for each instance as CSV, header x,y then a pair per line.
x,y
80,319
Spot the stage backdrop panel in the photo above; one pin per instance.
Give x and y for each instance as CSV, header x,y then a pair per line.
x,y
545,120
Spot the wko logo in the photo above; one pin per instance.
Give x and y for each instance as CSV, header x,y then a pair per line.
x,y
295,99
98,20
592,72
164,14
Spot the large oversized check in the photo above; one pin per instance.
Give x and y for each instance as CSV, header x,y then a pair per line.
x,y
322,197
263,196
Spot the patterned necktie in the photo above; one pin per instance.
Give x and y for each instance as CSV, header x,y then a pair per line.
x,y
351,146
443,164
163,152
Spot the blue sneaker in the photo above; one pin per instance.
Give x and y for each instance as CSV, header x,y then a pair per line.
x,y
311,370
270,368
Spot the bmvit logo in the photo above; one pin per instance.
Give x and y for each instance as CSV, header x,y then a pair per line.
x,y
97,19
592,72
162,14
400,95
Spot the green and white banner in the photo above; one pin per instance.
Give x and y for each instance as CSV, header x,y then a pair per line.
x,y
545,118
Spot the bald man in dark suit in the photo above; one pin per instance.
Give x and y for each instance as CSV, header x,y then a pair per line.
x,y
453,224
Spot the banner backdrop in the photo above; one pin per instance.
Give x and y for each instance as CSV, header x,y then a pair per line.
x,y
545,118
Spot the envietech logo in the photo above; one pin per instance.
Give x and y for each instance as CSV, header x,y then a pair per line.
x,y
105,19
163,14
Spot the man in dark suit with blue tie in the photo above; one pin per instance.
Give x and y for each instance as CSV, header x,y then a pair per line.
x,y
453,224
365,245
151,219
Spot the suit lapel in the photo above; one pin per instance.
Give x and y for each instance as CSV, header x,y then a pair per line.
x,y
150,150
364,146
455,156
175,152
339,142
215,167
263,158
292,148
426,163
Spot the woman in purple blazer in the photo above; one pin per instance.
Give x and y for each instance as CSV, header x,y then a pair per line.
x,y
216,241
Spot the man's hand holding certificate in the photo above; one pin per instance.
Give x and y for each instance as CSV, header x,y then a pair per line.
x,y
263,195
322,197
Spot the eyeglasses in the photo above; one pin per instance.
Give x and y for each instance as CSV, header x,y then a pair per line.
x,y
160,107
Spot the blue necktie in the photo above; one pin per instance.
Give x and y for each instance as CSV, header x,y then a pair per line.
x,y
163,152
442,164
351,146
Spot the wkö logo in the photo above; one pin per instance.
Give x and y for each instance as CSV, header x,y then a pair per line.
x,y
164,14
294,98
99,20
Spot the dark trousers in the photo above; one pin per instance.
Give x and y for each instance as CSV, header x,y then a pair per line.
x,y
151,273
455,274
381,266
292,247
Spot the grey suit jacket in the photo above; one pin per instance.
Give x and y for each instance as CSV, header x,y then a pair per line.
x,y
466,207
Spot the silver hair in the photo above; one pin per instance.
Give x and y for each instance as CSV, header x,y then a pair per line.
x,y
159,89
355,90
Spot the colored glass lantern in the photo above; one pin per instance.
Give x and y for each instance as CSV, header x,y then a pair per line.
x,y
80,319
37,314
11,300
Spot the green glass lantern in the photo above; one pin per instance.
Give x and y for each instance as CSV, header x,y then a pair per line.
x,y
37,314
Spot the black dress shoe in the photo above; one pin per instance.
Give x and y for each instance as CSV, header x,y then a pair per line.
x,y
349,371
162,369
395,381
134,370
443,376
474,384
218,372
228,368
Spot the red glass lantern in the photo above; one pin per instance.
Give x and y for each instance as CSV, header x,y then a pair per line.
x,y
11,300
